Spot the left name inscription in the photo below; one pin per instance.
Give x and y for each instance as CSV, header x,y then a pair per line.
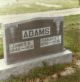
x,y
21,46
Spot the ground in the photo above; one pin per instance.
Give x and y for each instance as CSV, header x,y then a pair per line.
x,y
25,6
48,73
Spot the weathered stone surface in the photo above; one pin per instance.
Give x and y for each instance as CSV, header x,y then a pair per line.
x,y
33,38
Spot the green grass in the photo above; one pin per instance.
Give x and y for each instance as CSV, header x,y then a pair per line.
x,y
1,48
72,22
46,70
17,9
20,8
66,4
72,34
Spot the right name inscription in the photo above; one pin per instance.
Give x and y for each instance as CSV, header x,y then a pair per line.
x,y
50,41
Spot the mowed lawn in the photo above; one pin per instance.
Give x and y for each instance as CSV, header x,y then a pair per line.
x,y
1,48
72,33
25,6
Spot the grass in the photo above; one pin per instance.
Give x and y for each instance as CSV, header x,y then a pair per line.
x,y
72,34
70,21
38,72
46,71
21,8
1,48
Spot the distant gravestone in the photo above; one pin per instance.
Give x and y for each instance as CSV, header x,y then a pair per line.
x,y
29,39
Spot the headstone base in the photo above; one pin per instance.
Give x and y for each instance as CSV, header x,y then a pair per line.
x,y
24,67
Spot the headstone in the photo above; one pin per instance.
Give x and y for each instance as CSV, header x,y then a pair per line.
x,y
33,38
30,40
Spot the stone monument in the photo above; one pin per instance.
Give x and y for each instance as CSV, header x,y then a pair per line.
x,y
33,38
28,43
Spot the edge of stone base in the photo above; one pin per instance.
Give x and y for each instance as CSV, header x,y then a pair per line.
x,y
23,67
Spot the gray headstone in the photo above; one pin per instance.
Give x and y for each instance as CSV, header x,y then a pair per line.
x,y
33,38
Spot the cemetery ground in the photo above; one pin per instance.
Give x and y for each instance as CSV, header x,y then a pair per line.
x,y
25,6
48,73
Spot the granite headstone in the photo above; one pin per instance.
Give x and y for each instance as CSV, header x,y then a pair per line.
x,y
33,38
